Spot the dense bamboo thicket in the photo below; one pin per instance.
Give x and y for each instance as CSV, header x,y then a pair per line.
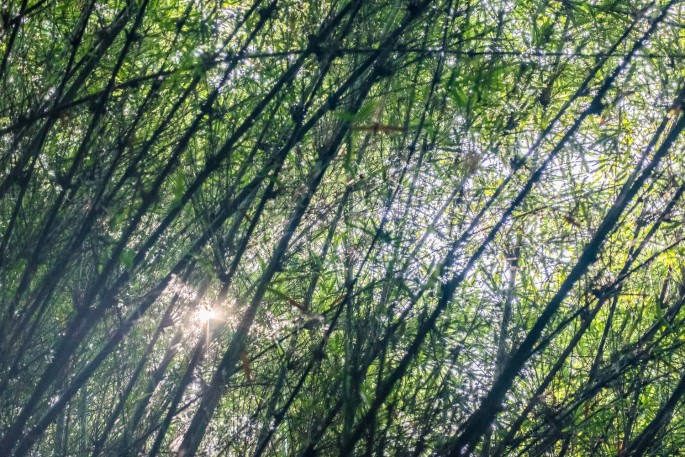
x,y
342,227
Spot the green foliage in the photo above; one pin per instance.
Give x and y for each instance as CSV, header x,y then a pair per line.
x,y
412,227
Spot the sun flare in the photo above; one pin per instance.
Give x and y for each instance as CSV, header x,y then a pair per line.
x,y
204,315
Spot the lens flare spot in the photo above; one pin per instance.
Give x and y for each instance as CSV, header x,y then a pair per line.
x,y
205,315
